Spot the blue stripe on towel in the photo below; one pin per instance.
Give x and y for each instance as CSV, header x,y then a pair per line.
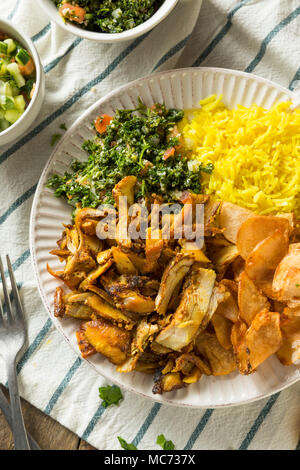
x,y
34,345
90,427
18,202
55,61
286,21
41,33
258,422
12,14
65,381
295,80
221,34
198,430
71,101
180,45
147,423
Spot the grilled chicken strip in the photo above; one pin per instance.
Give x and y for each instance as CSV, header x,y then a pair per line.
x,y
172,276
192,310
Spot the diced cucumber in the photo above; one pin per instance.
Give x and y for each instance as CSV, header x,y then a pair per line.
x,y
22,57
7,102
6,89
11,45
13,69
3,68
3,47
20,103
12,115
4,124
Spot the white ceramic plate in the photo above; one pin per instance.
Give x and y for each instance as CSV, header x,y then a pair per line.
x,y
182,89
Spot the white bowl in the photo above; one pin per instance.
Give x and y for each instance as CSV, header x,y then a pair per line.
x,y
28,117
176,88
53,13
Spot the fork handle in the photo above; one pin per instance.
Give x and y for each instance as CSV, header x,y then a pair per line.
x,y
18,428
5,408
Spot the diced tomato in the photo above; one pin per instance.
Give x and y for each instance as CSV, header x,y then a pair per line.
x,y
175,133
169,153
72,12
102,122
27,69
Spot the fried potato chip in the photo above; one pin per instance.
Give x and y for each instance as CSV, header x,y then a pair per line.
x,y
256,229
262,339
251,300
222,327
238,266
265,257
223,257
228,307
221,360
231,218
286,281
289,353
238,332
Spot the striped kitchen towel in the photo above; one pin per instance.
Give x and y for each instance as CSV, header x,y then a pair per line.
x,y
259,36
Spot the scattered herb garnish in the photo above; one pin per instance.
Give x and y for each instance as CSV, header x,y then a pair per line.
x,y
111,395
162,442
297,285
63,127
55,138
134,143
125,444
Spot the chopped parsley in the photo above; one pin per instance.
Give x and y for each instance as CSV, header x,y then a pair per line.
x,y
134,143
111,395
162,442
114,16
125,444
63,127
55,138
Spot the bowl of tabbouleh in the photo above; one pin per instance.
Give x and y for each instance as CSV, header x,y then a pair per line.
x,y
108,20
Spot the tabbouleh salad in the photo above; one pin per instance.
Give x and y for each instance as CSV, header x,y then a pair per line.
x,y
143,142
108,16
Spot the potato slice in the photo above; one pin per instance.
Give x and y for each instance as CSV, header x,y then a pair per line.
x,y
109,340
262,339
263,260
286,281
222,258
289,353
222,327
231,218
221,360
251,300
238,332
228,308
255,229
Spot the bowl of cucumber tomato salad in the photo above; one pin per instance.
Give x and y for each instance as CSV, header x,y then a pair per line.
x,y
108,20
21,83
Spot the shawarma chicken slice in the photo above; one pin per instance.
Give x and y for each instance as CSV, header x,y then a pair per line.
x,y
221,360
172,276
109,340
192,310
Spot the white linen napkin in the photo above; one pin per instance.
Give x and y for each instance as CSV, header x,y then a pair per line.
x,y
259,36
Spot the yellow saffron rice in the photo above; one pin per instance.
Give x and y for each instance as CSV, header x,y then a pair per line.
x,y
255,153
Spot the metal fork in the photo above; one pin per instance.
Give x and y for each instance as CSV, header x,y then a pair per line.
x,y
12,339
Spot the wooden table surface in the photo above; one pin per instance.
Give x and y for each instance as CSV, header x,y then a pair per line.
x,y
48,433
